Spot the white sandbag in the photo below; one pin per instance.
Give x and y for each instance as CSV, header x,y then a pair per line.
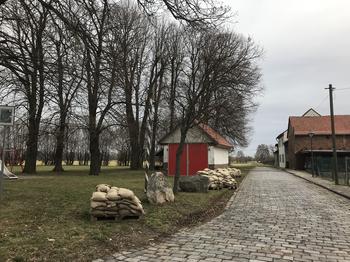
x,y
126,193
95,204
99,196
136,200
113,195
103,188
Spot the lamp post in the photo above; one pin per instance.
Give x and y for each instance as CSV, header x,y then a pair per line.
x,y
312,154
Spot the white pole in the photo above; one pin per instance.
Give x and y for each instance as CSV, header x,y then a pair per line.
x,y
2,161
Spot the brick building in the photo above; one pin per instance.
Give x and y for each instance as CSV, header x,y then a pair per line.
x,y
300,140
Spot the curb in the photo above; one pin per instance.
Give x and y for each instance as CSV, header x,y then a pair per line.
x,y
229,203
315,183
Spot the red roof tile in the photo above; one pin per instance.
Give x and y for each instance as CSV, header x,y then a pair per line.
x,y
220,140
320,125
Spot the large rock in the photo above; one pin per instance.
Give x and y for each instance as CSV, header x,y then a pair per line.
x,y
158,189
194,184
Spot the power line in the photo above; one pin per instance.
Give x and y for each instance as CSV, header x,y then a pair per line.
x,y
339,89
323,100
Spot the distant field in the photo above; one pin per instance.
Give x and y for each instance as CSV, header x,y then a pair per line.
x,y
46,216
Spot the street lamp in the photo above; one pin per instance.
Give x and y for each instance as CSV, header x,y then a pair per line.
x,y
312,154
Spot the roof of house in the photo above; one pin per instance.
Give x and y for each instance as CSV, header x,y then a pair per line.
x,y
282,134
320,125
209,135
311,112
218,139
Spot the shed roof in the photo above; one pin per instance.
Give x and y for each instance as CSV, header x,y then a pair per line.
x,y
200,133
219,139
320,125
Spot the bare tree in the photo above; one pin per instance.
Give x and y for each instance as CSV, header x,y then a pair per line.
x,y
132,34
90,21
159,68
215,63
176,61
22,53
198,14
66,78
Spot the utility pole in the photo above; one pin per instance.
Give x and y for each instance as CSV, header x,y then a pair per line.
x,y
2,161
335,160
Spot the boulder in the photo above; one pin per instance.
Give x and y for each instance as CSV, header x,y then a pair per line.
x,y
158,189
194,184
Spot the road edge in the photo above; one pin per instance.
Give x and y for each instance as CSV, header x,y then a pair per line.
x,y
320,185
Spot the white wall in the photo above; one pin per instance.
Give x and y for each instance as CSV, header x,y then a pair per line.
x,y
211,155
282,150
166,154
194,135
220,156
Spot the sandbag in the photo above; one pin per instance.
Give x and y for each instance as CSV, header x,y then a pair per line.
x,y
103,188
113,194
95,204
126,193
99,196
115,202
136,200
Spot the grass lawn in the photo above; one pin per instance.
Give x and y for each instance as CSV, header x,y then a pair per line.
x,y
46,217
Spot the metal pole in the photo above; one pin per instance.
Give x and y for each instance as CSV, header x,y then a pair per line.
x,y
346,172
335,160
2,161
312,159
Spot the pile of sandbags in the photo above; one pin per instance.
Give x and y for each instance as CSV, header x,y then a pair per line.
x,y
221,177
110,201
235,172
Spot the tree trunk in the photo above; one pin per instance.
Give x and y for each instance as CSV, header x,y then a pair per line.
x,y
59,148
135,158
32,149
95,161
178,160
152,156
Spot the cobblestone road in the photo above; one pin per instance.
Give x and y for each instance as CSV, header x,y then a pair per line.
x,y
274,217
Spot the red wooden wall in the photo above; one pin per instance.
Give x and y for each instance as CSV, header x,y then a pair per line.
x,y
195,154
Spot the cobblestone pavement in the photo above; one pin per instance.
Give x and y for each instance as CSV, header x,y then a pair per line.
x,y
274,217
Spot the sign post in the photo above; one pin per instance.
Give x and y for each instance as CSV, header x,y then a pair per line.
x,y
7,114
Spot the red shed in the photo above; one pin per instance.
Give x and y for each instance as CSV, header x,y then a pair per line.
x,y
204,148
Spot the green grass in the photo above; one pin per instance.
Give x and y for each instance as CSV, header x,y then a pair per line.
x,y
37,209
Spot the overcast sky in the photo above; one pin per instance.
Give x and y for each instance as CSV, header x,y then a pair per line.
x,y
306,47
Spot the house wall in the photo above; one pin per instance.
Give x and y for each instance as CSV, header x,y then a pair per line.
x,y
311,112
217,157
194,135
291,151
281,153
211,155
220,156
166,154
282,150
194,158
319,142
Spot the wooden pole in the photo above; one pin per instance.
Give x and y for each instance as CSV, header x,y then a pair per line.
x,y
2,161
335,160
